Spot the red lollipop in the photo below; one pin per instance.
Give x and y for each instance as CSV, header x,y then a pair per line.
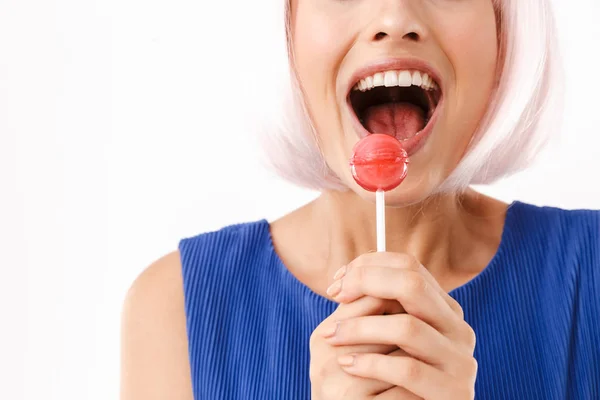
x,y
379,162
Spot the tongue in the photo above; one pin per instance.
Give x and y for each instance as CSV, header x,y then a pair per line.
x,y
402,120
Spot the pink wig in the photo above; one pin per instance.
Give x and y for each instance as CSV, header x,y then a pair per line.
x,y
524,111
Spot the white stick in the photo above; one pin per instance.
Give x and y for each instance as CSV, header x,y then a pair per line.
x,y
380,206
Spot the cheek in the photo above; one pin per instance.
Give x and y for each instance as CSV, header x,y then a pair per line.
x,y
472,49
470,43
319,47
313,37
315,40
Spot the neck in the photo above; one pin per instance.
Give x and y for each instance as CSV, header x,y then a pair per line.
x,y
453,236
424,230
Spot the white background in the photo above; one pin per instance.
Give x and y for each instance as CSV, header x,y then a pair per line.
x,y
115,117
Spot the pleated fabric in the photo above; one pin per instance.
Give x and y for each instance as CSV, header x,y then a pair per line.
x,y
535,309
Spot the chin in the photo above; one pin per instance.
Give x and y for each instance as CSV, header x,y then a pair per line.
x,y
414,190
425,175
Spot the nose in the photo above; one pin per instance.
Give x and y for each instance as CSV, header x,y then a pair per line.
x,y
397,20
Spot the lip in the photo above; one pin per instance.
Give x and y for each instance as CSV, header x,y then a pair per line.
x,y
390,64
411,145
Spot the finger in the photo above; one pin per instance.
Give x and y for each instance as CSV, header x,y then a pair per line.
x,y
414,375
367,305
397,393
338,384
362,307
412,335
408,287
405,261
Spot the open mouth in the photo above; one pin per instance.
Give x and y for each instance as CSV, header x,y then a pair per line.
x,y
401,104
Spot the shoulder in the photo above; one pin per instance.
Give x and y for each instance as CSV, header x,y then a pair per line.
x,y
578,225
227,247
570,238
557,214
154,359
225,237
158,286
214,262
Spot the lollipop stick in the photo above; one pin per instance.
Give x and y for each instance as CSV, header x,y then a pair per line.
x,y
380,207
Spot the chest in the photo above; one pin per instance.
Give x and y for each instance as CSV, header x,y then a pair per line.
x,y
517,359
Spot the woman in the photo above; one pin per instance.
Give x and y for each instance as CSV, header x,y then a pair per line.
x,y
303,308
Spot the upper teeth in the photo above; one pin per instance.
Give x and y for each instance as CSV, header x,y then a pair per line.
x,y
396,78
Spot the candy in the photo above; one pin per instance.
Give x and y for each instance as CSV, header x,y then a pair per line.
x,y
379,163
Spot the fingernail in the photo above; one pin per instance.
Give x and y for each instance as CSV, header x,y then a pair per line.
x,y
335,288
340,273
346,360
330,330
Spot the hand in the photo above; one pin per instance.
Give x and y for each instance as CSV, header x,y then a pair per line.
x,y
432,331
328,379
